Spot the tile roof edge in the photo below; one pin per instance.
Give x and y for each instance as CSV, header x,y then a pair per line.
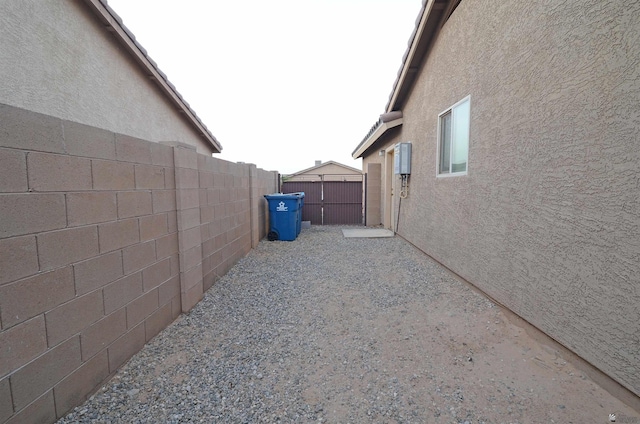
x,y
394,119
109,17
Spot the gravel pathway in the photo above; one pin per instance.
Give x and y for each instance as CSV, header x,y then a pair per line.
x,y
330,329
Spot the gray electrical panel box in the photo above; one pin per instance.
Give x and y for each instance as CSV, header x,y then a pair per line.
x,y
402,158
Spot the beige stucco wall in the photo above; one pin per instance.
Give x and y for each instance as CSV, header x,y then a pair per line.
x,y
373,194
382,154
374,204
547,220
57,59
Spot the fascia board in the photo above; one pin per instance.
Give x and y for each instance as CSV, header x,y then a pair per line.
x,y
379,132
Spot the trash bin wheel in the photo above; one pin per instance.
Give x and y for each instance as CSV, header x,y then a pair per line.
x,y
272,236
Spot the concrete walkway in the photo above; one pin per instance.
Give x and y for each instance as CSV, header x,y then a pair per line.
x,y
366,232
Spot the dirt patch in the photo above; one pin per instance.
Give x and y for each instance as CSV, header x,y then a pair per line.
x,y
447,355
337,330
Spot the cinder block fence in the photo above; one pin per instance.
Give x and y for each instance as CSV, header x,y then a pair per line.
x,y
104,240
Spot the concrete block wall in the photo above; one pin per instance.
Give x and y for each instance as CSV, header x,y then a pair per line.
x,y
104,240
262,182
225,216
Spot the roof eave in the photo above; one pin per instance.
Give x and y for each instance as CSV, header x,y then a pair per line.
x,y
114,25
430,19
380,130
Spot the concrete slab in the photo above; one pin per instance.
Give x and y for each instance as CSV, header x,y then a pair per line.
x,y
366,232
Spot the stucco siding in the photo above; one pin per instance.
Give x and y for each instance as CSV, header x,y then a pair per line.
x,y
56,58
547,220
380,152
374,205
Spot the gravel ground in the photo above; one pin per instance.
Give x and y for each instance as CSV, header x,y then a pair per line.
x,y
330,329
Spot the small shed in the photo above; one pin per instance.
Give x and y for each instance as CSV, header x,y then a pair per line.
x,y
329,171
333,193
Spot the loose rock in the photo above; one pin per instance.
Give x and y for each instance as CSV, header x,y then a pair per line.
x,y
329,329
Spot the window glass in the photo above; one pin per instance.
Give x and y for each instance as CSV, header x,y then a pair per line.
x,y
454,138
460,137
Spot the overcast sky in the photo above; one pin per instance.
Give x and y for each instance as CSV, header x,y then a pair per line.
x,y
280,83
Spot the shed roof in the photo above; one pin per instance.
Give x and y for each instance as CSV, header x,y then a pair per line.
x,y
313,168
113,23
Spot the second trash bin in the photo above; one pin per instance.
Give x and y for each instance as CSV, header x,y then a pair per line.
x,y
285,215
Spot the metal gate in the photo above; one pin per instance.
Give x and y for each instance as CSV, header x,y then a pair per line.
x,y
329,202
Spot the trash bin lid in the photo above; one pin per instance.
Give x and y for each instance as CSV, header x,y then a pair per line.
x,y
276,196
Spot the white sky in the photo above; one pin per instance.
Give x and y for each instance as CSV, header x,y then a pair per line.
x,y
279,83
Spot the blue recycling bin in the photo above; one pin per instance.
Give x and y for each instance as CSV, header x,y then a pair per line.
x,y
300,197
300,205
285,215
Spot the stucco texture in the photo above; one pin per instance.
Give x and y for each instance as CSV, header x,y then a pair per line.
x,y
56,58
382,154
547,221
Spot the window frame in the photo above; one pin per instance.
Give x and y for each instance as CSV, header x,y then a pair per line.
x,y
450,110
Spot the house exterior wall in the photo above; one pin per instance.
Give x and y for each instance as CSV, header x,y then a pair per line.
x,y
382,155
373,195
56,58
546,221
375,204
104,240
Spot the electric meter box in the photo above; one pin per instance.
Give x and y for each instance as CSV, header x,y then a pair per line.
x,y
402,158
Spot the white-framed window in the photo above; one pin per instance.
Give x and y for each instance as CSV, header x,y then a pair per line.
x,y
453,139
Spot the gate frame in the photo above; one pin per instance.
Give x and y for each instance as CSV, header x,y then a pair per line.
x,y
320,178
